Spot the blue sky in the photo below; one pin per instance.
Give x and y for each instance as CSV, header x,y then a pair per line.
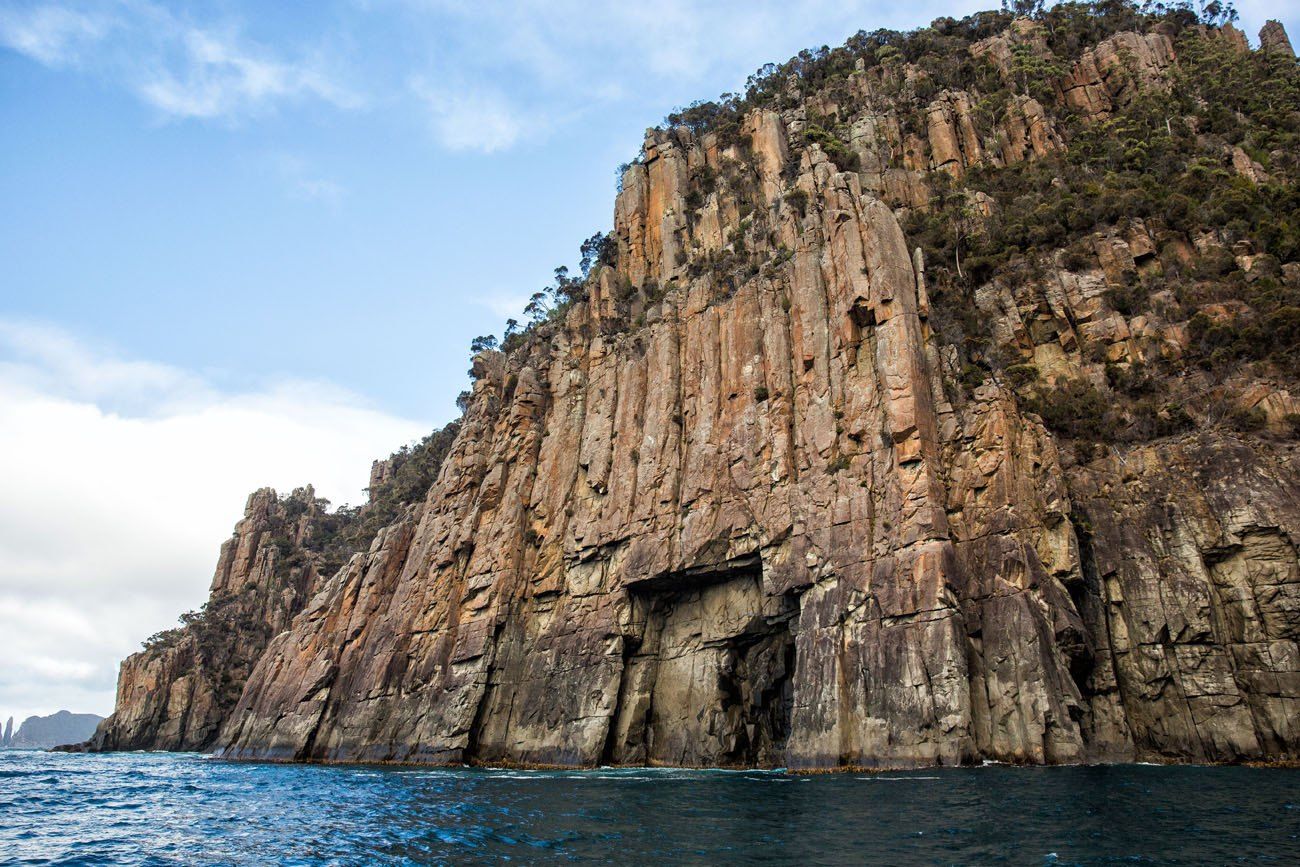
x,y
247,243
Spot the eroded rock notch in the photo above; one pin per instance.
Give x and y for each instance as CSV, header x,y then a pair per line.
x,y
708,671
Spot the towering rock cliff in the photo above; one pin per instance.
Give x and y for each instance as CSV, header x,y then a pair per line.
x,y
891,426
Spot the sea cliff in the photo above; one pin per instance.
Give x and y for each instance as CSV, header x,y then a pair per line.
x,y
904,418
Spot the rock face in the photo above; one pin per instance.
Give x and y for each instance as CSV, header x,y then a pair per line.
x,y
175,694
1207,649
1115,71
44,732
1273,39
735,506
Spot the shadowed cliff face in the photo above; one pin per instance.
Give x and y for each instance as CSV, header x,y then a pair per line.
x,y
743,502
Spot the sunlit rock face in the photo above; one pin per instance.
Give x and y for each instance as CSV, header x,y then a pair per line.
x,y
750,514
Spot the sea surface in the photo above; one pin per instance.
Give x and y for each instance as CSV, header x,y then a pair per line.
x,y
156,809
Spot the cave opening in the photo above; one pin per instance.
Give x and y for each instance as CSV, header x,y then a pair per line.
x,y
708,671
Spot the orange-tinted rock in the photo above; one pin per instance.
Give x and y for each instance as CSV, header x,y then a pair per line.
x,y
1115,70
738,505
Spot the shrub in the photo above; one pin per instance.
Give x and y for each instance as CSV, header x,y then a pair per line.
x,y
1247,420
798,199
1021,375
1128,299
1291,423
1076,409
838,152
1134,380
414,470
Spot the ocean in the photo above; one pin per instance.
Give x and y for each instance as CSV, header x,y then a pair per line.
x,y
162,809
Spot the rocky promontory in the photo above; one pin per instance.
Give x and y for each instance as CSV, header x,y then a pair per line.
x,y
45,732
931,402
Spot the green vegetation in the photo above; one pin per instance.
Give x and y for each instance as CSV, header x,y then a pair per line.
x,y
1021,375
1161,158
834,147
1079,410
554,300
798,199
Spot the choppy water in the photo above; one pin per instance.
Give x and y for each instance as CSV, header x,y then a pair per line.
x,y
152,808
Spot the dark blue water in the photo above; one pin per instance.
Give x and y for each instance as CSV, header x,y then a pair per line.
x,y
160,809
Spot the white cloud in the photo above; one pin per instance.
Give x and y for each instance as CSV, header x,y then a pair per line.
x,y
319,190
215,76
504,305
51,35
472,118
49,361
182,69
122,478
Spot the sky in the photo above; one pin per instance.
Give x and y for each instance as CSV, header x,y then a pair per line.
x,y
248,243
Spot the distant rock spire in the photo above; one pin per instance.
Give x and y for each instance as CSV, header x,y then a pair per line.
x,y
8,735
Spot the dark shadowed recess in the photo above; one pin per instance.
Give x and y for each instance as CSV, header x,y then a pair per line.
x,y
707,673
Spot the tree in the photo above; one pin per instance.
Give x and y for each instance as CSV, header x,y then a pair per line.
x,y
564,287
596,250
569,289
538,307
483,343
1023,8
1217,13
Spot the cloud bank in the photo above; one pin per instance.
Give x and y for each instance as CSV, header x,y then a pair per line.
x,y
122,478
